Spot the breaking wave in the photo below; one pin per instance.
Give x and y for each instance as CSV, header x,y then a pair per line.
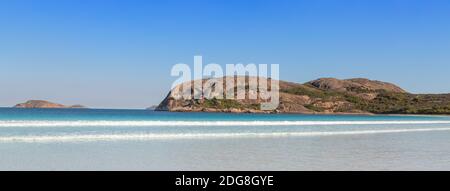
x,y
156,136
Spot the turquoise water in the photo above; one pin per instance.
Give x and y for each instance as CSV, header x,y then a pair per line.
x,y
90,139
142,115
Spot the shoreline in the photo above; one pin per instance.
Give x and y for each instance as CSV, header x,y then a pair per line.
x,y
311,113
243,112
321,114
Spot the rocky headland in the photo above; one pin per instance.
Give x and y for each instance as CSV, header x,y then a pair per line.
x,y
322,96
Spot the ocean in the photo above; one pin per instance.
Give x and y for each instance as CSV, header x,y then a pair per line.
x,y
102,139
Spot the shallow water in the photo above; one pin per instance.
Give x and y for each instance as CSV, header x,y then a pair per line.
x,y
64,139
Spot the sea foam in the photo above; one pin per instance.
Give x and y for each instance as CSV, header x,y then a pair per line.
x,y
168,136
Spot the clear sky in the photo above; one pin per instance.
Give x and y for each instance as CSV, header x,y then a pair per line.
x,y
118,54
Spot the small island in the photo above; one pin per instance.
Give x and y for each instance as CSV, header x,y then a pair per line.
x,y
46,105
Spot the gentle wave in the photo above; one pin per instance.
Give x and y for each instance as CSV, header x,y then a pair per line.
x,y
143,137
201,123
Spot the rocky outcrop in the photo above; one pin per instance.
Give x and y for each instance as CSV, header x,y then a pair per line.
x,y
45,104
321,96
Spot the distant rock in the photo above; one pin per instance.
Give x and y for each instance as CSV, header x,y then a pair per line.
x,y
77,106
153,107
45,104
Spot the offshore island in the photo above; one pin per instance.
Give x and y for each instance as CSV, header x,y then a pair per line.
x,y
41,104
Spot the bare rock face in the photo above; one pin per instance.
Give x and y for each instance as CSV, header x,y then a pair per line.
x,y
170,103
44,104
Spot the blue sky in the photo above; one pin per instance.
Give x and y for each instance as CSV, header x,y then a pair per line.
x,y
118,54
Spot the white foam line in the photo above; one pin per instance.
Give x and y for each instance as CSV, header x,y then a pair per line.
x,y
143,137
201,123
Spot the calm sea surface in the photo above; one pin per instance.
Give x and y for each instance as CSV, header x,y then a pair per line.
x,y
90,139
